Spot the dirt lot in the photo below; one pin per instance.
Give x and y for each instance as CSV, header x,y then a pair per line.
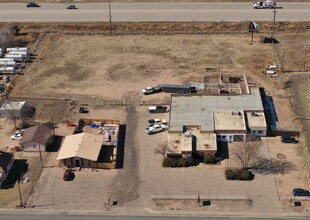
x,y
106,73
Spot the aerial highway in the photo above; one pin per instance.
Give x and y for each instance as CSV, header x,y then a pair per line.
x,y
208,11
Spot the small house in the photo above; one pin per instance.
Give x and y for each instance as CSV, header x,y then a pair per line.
x,y
36,138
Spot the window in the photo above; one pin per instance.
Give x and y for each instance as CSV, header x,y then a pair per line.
x,y
254,132
260,132
224,136
218,136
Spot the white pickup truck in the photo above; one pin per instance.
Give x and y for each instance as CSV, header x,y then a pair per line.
x,y
151,90
156,121
264,5
155,128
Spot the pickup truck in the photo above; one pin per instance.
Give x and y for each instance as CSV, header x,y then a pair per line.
x,y
158,109
264,5
155,129
156,121
151,90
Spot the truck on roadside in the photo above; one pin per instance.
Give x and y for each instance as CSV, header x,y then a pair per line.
x,y
150,90
264,5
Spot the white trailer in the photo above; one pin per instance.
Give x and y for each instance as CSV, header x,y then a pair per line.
x,y
24,53
8,63
6,70
15,57
17,49
6,59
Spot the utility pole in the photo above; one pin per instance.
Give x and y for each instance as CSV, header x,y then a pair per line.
x,y
20,194
41,160
282,60
305,59
53,126
274,14
110,18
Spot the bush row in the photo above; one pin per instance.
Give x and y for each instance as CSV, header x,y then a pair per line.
x,y
239,174
177,162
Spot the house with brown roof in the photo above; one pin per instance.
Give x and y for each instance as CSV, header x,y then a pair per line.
x,y
86,150
6,163
36,138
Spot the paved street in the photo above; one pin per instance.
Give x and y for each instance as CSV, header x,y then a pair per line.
x,y
210,11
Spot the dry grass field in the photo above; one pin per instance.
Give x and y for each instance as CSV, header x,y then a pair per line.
x,y
79,66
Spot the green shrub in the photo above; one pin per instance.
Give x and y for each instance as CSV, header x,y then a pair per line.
x,y
240,174
231,175
171,162
185,162
208,158
245,175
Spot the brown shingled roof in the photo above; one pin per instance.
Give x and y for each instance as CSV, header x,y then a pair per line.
x,y
38,133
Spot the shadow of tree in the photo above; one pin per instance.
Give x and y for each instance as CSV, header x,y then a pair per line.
x,y
272,166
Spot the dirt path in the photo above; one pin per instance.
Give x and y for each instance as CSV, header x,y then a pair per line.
x,y
126,184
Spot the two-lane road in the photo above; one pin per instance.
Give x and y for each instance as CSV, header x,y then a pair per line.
x,y
211,11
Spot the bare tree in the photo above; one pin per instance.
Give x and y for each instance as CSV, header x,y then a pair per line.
x,y
246,152
7,38
161,149
12,114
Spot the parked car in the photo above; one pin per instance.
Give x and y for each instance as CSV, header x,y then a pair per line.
x,y
289,139
33,5
72,7
300,192
156,121
68,175
155,129
21,131
83,110
158,109
16,136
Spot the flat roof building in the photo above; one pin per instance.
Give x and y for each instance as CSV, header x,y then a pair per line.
x,y
227,120
256,123
197,121
198,109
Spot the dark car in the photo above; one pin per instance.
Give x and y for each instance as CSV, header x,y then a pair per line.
x,y
68,175
300,192
288,139
72,7
33,5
